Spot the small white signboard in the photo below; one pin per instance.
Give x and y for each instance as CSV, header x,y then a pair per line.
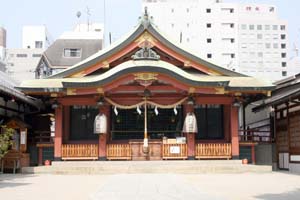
x,y
23,137
174,149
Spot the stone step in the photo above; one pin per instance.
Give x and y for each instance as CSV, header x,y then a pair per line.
x,y
136,167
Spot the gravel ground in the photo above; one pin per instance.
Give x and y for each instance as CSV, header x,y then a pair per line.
x,y
248,186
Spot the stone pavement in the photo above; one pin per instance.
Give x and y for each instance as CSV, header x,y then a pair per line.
x,y
163,186
150,187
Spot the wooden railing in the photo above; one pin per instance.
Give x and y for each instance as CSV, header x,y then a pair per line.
x,y
253,135
79,151
212,150
118,152
174,151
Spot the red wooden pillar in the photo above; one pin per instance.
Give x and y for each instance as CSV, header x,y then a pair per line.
x,y
234,125
67,124
103,137
58,132
190,136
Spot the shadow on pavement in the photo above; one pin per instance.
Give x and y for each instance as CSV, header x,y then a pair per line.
x,y
291,195
12,180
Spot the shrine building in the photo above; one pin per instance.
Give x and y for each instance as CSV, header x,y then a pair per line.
x,y
146,98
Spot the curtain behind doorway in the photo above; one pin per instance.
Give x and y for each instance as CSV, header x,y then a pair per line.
x,y
82,122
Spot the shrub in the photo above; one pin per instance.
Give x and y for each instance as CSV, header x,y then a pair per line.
x,y
5,140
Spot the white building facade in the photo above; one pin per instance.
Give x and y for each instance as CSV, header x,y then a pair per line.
x,y
247,38
35,37
21,62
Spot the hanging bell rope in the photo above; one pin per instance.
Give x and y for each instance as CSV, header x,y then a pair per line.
x,y
127,107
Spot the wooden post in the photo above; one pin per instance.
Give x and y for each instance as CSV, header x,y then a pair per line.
x,y
67,124
253,154
234,132
190,136
58,132
40,156
103,137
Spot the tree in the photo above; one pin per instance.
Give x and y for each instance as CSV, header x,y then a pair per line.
x,y
5,140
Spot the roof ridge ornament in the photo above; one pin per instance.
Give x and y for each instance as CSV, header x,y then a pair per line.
x,y
145,53
145,20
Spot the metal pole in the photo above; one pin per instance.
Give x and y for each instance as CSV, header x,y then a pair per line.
x,y
145,121
145,145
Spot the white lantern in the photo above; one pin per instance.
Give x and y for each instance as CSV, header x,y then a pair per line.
x,y
100,124
190,123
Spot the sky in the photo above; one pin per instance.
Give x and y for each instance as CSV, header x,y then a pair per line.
x,y
121,16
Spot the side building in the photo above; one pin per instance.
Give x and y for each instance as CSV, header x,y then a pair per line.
x,y
70,48
284,107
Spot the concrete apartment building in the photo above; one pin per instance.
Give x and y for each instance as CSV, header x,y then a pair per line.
x,y
70,48
247,38
2,48
21,62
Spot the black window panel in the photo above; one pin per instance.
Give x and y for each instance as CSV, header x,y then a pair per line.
x,y
128,124
82,122
210,122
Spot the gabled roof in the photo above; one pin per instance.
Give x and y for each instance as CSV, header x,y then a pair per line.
x,y
286,90
7,88
145,26
138,66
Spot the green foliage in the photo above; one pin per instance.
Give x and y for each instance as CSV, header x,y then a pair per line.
x,y
5,140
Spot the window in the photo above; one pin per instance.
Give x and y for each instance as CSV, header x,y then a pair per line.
x,y
209,55
21,55
208,10
259,27
282,27
172,25
284,73
283,46
260,54
259,36
74,53
208,25
275,36
38,44
244,27
283,55
282,36
209,122
11,55
268,45
283,64
267,27
36,55
172,10
187,10
187,25
251,27
275,27
275,45
208,40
